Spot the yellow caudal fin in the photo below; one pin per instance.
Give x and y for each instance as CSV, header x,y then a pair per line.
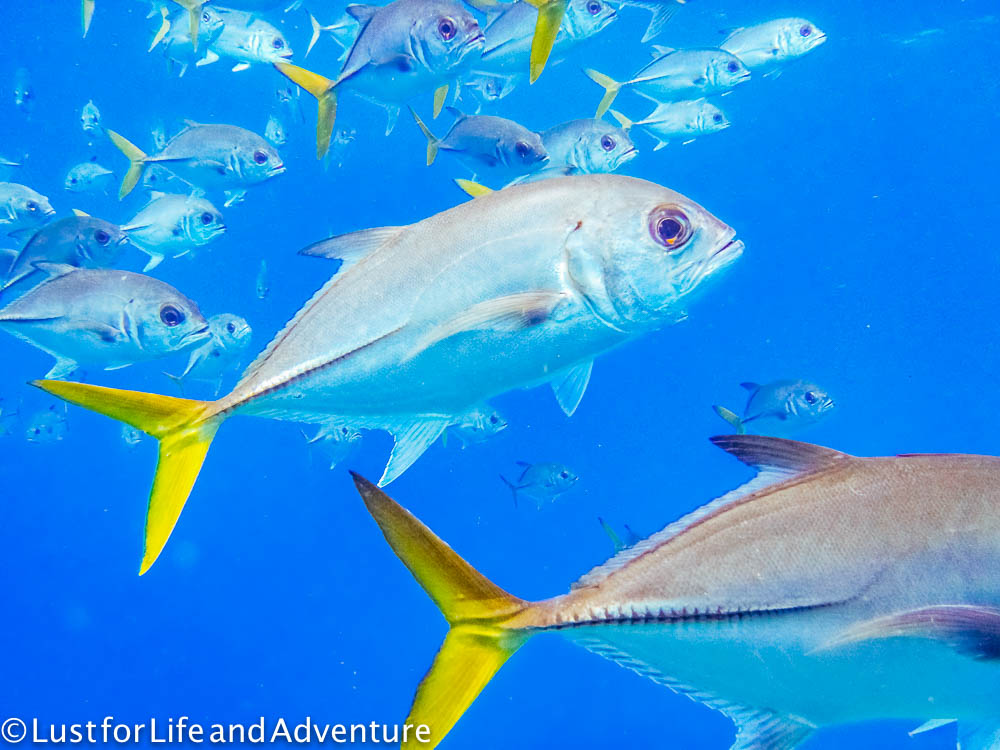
x,y
194,19
440,97
611,89
137,160
326,97
550,16
185,429
473,188
88,15
432,140
626,124
480,639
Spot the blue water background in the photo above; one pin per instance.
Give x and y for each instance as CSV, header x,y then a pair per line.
x,y
863,182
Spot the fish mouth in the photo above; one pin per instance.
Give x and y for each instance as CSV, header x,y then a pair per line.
x,y
50,212
724,257
625,157
276,170
473,41
193,337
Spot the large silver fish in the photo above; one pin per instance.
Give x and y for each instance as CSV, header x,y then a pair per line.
x,y
22,209
407,48
829,590
522,286
221,157
108,319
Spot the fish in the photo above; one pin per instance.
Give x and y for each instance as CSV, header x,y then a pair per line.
x,y
343,31
588,146
779,409
229,338
22,209
247,39
47,426
766,47
407,48
275,131
177,41
631,538
90,118
288,98
158,135
673,120
541,482
24,92
131,436
8,418
262,289
479,424
487,144
79,241
831,589
662,10
400,337
89,177
222,157
173,225
677,74
7,168
103,318
335,441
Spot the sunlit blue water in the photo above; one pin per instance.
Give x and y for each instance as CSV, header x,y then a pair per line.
x,y
862,181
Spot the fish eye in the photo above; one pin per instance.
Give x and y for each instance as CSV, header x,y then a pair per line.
x,y
206,18
493,419
102,237
260,157
810,397
278,43
171,316
522,149
231,327
593,7
717,117
805,30
207,218
72,180
732,66
32,206
564,475
608,143
446,28
669,226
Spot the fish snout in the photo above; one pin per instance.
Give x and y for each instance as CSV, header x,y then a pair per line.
x,y
724,257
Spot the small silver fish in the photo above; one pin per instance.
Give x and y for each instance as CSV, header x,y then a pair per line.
x,y
89,177
678,120
335,440
79,241
90,118
173,225
779,409
158,134
22,209
177,46
542,482
220,354
131,436
262,289
108,319
24,94
47,426
487,144
588,146
8,418
477,426
343,31
629,539
246,39
766,47
275,131
7,168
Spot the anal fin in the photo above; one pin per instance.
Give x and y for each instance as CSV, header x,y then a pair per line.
x,y
411,442
570,385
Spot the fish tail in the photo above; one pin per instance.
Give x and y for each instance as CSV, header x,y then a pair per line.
x,y
137,161
472,188
481,637
622,120
550,16
316,30
87,9
163,30
432,140
194,18
611,89
185,429
512,486
326,97
730,417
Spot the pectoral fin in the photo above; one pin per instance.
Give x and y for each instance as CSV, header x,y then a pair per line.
x,y
411,442
511,313
757,731
570,385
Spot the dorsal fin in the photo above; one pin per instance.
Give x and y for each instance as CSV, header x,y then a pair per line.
x,y
775,460
362,13
750,386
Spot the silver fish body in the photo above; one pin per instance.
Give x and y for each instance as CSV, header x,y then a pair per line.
x,y
90,118
248,39
335,441
682,74
171,225
683,121
47,426
781,408
478,425
89,177
22,209
766,47
589,146
543,482
275,131
492,146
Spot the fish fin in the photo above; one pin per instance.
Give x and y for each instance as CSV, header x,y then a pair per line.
x,y
661,50
233,197
550,16
473,188
616,540
778,454
731,417
137,160
326,97
63,368
211,56
513,488
662,13
487,6
351,247
155,259
477,644
185,430
87,12
660,144
750,386
625,123
570,385
80,214
391,117
411,442
440,96
611,89
513,312
194,19
362,13
53,270
163,30
930,726
316,29
970,630
177,380
240,67
757,730
432,140
978,735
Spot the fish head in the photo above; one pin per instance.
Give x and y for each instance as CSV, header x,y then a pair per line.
x,y
561,478
259,160
446,36
47,426
523,151
164,320
76,180
231,331
726,70
268,44
275,131
710,119
202,221
584,18
797,36
809,401
643,248
31,207
605,148
99,242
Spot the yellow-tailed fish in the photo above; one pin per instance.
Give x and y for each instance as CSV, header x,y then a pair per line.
x,y
421,323
828,590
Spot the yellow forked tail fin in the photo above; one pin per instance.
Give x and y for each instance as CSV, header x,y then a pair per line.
x,y
550,16
326,98
611,89
137,160
478,643
88,15
185,429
